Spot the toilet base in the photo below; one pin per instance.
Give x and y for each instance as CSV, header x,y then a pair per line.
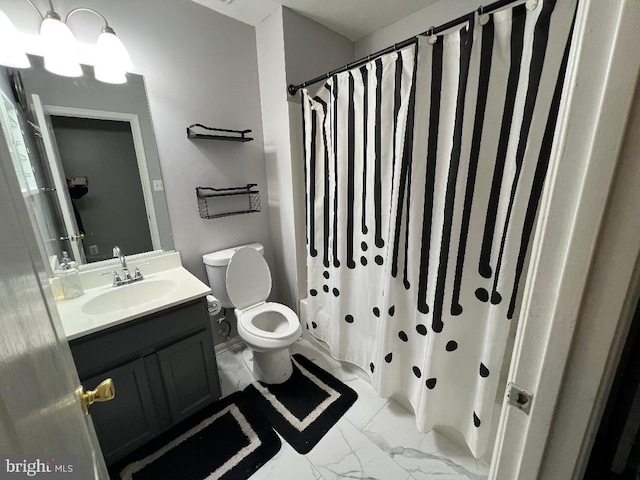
x,y
272,367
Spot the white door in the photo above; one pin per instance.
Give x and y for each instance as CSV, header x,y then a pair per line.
x,y
57,173
40,412
584,274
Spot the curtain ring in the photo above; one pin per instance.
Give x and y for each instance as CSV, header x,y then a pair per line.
x,y
432,38
368,66
397,50
483,18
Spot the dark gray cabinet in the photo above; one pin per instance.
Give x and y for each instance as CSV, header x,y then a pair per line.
x,y
189,372
129,420
163,367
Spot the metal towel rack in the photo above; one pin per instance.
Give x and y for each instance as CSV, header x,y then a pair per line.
x,y
235,135
206,195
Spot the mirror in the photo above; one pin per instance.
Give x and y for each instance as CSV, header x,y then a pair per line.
x,y
87,159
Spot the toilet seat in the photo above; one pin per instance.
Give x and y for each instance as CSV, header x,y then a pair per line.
x,y
249,316
264,326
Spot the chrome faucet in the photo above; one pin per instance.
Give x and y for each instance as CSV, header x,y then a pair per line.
x,y
117,253
126,278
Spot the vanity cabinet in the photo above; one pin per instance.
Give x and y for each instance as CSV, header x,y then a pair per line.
x,y
163,367
130,419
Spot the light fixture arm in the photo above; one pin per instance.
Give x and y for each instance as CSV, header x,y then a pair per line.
x,y
36,8
85,9
75,10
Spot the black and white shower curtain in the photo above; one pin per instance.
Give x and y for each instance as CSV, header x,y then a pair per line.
x,y
424,171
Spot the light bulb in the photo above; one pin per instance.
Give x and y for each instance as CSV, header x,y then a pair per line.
x,y
11,52
60,47
113,60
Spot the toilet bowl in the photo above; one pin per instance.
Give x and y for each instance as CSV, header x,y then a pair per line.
x,y
268,328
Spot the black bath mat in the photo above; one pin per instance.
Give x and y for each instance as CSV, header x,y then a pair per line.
x,y
306,406
228,440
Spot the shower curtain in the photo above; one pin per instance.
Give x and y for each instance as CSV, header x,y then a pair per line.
x,y
424,170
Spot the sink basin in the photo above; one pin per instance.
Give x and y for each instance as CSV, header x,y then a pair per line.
x,y
129,296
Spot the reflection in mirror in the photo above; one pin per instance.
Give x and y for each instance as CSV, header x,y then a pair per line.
x,y
87,160
98,158
23,147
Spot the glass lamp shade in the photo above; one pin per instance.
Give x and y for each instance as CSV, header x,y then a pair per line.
x,y
113,60
11,52
60,54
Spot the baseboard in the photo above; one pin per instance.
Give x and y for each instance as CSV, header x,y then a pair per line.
x,y
232,344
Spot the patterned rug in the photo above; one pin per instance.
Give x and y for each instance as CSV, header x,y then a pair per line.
x,y
306,406
228,440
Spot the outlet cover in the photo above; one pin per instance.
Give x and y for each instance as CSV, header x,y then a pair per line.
x,y
158,186
93,250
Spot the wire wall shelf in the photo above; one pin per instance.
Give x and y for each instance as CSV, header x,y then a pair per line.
x,y
225,202
221,134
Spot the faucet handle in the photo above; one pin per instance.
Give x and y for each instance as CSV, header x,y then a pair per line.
x,y
117,281
138,274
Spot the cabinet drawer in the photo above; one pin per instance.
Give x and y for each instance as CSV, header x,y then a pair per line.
x,y
137,338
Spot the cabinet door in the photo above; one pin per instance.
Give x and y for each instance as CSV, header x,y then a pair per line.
x,y
129,420
190,375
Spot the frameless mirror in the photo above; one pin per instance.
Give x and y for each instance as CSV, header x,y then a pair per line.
x,y
87,160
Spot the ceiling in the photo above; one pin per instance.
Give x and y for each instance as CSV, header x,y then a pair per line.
x,y
353,19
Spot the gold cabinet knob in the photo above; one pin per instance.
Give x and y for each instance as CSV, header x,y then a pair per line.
x,y
103,393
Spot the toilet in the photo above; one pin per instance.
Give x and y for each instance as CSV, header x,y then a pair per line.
x,y
240,277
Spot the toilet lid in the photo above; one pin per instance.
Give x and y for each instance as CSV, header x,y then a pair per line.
x,y
248,278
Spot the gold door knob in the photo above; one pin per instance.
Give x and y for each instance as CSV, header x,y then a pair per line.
x,y
103,393
74,237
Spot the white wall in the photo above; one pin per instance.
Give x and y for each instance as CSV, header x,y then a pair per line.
x,y
291,49
433,15
199,66
270,47
311,49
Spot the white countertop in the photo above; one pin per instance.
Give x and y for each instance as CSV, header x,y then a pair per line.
x,y
78,323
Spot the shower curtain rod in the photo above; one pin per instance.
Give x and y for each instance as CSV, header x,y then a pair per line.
x,y
293,89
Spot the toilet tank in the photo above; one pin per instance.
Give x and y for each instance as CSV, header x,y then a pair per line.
x,y
216,265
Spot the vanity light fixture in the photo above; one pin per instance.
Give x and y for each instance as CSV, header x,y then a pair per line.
x,y
60,46
11,52
112,61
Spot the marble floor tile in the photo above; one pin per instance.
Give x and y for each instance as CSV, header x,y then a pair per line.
x,y
423,455
368,403
287,465
232,373
344,452
375,439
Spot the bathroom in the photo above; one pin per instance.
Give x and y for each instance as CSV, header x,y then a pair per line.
x,y
203,67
